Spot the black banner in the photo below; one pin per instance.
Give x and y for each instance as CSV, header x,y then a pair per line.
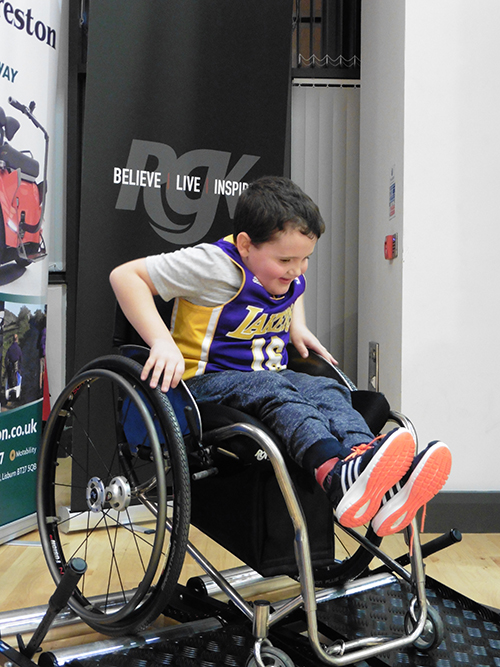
x,y
186,102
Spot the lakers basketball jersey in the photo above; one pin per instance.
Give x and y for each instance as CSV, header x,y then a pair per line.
x,y
248,332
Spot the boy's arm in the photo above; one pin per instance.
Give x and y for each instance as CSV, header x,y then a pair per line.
x,y
134,291
302,338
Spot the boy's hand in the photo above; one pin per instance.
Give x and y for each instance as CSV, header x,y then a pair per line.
x,y
166,362
304,340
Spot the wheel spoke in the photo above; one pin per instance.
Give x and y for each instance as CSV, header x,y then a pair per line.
x,y
113,564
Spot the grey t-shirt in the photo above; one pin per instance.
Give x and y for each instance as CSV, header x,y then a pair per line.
x,y
202,274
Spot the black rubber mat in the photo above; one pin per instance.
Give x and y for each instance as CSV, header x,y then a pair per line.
x,y
471,631
471,635
229,647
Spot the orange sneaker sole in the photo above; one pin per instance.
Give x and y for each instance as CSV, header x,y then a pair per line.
x,y
424,483
390,463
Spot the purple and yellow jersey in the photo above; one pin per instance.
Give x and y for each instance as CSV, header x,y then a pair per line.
x,y
247,333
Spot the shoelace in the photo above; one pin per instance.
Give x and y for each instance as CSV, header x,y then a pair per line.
x,y
357,450
412,532
424,512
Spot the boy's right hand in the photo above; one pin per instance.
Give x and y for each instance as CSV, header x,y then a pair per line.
x,y
135,290
165,362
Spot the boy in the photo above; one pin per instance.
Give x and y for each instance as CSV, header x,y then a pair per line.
x,y
237,304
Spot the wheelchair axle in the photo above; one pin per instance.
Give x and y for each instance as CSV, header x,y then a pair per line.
x,y
116,495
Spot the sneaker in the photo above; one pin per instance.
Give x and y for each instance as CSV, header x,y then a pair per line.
x,y
425,478
357,484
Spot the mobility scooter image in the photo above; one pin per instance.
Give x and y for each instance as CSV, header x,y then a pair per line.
x,y
22,198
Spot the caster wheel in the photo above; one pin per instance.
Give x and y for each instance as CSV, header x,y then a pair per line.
x,y
433,632
271,657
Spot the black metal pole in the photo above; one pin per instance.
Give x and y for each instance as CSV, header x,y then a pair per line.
x,y
74,571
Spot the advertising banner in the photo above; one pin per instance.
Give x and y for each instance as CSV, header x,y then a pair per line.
x,y
186,102
28,70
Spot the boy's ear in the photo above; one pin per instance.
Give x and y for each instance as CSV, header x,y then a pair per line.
x,y
243,243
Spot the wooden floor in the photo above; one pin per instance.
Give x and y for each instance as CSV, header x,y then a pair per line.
x,y
471,567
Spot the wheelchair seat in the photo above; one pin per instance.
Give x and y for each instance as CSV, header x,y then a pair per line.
x,y
15,159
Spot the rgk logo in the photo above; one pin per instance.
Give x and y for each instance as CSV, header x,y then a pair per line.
x,y
192,199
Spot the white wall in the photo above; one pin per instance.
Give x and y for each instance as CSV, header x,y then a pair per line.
x,y
429,104
381,152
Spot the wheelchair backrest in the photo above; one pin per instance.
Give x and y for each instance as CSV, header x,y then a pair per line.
x,y
182,401
125,334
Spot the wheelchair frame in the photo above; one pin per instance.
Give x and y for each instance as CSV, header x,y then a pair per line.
x,y
139,608
260,615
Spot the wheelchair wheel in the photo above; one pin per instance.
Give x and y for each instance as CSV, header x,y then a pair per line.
x,y
112,478
433,632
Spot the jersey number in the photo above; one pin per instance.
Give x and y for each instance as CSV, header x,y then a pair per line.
x,y
269,357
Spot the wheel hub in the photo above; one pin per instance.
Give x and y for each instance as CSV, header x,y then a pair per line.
x,y
95,494
116,495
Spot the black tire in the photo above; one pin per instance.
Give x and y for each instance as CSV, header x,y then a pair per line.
x,y
103,413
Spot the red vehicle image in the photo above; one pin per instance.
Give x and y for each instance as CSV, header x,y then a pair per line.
x,y
22,199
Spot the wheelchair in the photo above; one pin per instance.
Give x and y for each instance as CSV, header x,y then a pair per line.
x,y
124,470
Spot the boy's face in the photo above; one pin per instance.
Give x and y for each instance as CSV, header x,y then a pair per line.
x,y
278,262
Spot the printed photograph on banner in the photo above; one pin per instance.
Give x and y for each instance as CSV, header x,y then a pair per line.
x,y
29,60
23,188
22,332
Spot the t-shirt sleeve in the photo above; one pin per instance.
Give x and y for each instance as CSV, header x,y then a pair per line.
x,y
202,274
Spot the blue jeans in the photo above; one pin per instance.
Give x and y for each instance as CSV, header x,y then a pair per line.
x,y
302,410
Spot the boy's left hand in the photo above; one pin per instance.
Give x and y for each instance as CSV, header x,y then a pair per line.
x,y
304,340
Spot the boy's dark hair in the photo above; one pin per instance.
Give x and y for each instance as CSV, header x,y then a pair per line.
x,y
274,203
